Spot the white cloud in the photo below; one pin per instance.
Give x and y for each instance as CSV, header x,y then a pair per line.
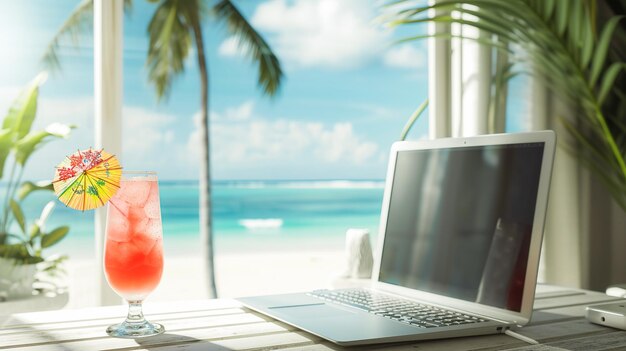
x,y
144,131
243,143
264,140
321,33
341,144
405,56
242,112
259,142
150,142
148,138
192,154
230,48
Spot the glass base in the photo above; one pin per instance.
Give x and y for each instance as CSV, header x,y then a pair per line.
x,y
135,330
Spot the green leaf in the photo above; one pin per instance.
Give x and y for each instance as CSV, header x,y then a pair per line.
x,y
35,231
19,238
6,143
79,22
169,44
80,19
609,78
588,44
496,24
27,145
409,124
18,214
24,108
574,28
269,70
45,213
562,16
18,252
493,43
548,8
54,236
33,260
602,49
29,187
484,25
53,265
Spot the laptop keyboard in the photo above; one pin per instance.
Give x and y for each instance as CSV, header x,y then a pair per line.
x,y
409,312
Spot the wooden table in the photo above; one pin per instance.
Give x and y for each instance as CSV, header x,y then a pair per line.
x,y
223,324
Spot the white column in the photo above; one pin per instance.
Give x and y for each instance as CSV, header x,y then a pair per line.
x,y
561,259
438,80
459,80
475,83
108,45
471,79
456,83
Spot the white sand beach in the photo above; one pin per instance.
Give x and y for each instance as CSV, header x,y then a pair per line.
x,y
237,274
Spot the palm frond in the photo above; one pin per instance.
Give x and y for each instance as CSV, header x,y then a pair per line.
x,y
578,57
169,45
269,69
416,114
79,21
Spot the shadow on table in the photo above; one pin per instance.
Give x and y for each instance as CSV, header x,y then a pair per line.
x,y
171,339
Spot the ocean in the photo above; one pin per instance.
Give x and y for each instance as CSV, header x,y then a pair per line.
x,y
259,216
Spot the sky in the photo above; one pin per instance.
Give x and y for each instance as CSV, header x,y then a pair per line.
x,y
348,90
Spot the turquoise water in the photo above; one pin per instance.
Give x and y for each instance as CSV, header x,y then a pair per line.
x,y
247,215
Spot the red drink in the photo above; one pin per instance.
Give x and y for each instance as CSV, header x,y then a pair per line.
x,y
133,257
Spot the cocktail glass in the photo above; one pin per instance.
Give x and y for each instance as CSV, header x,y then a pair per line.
x,y
133,253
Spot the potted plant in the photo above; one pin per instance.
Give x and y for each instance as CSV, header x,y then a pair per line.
x,y
22,242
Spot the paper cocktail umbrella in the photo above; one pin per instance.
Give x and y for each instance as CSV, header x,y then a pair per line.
x,y
87,179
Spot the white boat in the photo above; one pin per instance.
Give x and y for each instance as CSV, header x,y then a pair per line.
x,y
261,223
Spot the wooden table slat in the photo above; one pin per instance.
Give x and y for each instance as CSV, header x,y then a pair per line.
x,y
224,324
613,340
557,331
70,334
105,312
19,328
178,338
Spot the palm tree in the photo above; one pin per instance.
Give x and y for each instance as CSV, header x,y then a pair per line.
x,y
175,27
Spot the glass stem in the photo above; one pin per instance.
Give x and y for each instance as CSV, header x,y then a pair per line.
x,y
135,313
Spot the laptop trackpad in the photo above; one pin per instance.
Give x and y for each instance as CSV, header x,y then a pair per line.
x,y
317,310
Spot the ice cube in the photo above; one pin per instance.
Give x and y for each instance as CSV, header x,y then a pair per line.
x,y
155,256
116,254
137,219
117,227
135,192
153,206
125,255
115,203
142,243
154,229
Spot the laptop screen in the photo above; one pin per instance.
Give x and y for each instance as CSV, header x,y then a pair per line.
x,y
460,219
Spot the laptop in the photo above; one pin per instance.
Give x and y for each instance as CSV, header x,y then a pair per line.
x,y
460,236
